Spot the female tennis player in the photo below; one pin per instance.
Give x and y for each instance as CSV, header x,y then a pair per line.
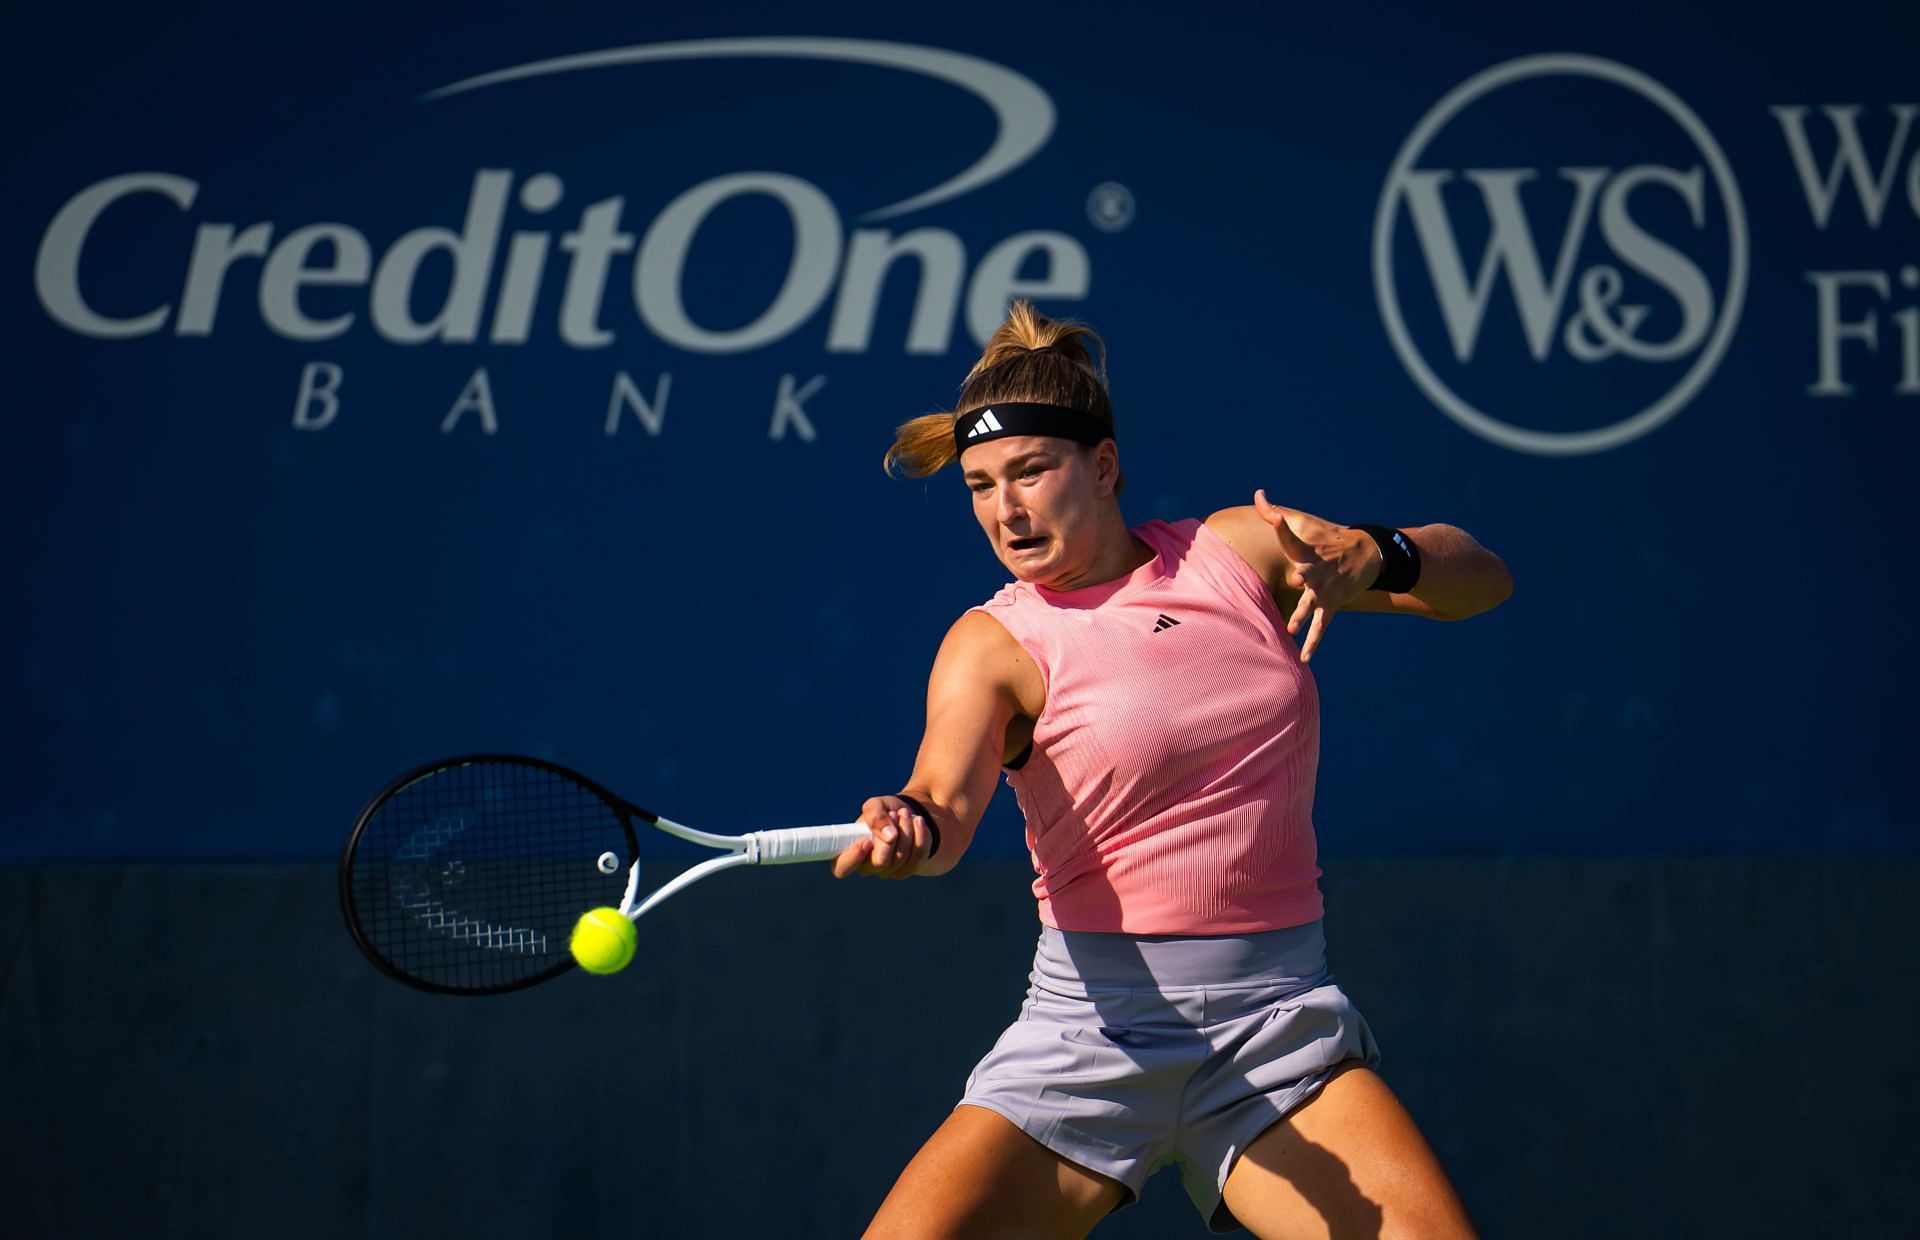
x,y
1159,726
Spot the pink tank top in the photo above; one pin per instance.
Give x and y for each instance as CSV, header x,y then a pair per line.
x,y
1170,785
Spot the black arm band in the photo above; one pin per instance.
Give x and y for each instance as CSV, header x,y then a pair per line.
x,y
1399,559
933,828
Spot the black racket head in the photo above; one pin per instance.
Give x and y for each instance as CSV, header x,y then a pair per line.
x,y
465,876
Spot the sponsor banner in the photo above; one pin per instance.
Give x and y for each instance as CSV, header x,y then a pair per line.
x,y
405,387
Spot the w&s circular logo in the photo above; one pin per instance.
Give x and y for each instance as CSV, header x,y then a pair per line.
x,y
1560,254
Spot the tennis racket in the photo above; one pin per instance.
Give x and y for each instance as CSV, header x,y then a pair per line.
x,y
466,876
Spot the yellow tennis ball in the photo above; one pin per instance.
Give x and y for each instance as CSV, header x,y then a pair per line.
x,y
603,941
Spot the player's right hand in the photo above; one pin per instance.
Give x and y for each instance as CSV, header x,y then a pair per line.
x,y
897,843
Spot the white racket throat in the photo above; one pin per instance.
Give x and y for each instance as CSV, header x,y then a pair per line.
x,y
781,846
470,875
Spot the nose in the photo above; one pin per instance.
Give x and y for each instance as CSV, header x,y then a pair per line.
x,y
1007,505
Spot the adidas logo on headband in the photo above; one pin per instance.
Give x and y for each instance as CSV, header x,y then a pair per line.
x,y
1020,418
985,423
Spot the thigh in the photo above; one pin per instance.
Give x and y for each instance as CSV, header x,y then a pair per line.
x,y
1349,1163
980,1176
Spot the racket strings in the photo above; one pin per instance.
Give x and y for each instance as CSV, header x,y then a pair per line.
x,y
471,876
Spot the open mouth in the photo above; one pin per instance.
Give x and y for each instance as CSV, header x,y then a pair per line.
x,y
1026,544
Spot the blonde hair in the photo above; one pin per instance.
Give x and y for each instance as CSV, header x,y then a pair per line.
x,y
1031,358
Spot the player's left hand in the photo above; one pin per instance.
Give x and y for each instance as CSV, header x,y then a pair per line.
x,y
1327,563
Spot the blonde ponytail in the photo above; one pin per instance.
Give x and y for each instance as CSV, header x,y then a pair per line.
x,y
1031,358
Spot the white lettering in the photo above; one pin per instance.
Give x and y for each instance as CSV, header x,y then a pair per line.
x,y
997,280
1833,330
1509,246
319,384
1660,262
663,259
787,408
526,264
472,249
1909,321
870,255
652,415
513,314
287,272
478,396
457,269
215,249
596,240
56,270
1849,159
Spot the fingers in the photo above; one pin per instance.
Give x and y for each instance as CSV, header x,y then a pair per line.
x,y
914,845
898,842
852,857
1312,574
1276,516
904,843
1320,617
893,840
1313,613
891,843
1301,610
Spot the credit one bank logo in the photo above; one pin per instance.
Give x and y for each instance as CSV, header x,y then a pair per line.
x,y
501,264
1623,274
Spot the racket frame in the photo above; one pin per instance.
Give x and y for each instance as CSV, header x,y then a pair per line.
x,y
624,810
780,846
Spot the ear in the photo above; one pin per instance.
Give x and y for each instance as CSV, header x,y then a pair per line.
x,y
1106,468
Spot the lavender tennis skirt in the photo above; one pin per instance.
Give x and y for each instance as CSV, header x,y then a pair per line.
x,y
1134,1051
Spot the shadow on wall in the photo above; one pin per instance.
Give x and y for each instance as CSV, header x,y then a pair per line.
x,y
201,1051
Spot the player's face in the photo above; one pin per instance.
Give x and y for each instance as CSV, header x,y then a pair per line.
x,y
1038,498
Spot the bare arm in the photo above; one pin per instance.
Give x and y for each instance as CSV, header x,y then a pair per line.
x,y
981,680
1314,567
1458,577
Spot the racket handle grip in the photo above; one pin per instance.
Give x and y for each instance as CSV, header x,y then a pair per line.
x,y
790,844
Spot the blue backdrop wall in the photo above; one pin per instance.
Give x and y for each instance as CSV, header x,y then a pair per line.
x,y
389,382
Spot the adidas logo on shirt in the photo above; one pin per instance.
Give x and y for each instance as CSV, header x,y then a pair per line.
x,y
984,423
1164,623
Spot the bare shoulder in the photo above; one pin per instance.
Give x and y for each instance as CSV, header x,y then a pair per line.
x,y
1241,522
1247,532
979,645
979,650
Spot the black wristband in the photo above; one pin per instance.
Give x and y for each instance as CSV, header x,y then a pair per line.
x,y
933,828
1399,559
